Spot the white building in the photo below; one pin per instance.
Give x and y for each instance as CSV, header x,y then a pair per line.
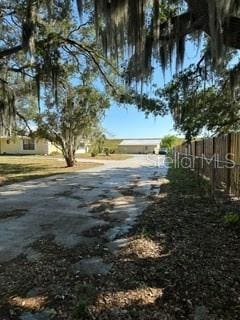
x,y
139,146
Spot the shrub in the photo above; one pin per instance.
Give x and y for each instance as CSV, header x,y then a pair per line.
x,y
94,154
107,151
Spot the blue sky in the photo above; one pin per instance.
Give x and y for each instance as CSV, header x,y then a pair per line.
x,y
121,122
128,122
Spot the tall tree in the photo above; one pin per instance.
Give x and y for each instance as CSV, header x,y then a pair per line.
x,y
158,30
197,102
36,35
36,39
170,22
73,119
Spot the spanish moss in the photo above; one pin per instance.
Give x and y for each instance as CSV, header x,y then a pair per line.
x,y
7,109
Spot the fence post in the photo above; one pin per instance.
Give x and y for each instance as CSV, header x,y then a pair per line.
x,y
203,156
196,162
213,165
229,171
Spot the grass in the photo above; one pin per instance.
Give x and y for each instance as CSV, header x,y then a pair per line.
x,y
21,168
104,157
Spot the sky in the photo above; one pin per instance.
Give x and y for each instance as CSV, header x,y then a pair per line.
x,y
122,122
128,122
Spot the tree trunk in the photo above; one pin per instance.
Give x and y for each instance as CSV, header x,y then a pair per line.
x,y
69,156
70,161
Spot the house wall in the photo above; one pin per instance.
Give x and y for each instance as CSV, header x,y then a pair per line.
x,y
140,149
15,146
83,148
52,148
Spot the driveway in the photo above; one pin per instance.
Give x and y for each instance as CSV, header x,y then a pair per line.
x,y
57,234
98,205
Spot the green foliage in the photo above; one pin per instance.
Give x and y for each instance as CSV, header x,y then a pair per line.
x,y
39,41
158,30
197,105
145,233
94,154
97,139
232,219
74,118
106,151
169,141
111,145
142,101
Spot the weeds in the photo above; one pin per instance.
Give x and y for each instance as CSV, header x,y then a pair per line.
x,y
232,219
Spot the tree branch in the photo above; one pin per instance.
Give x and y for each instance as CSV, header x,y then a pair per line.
x,y
91,55
176,27
231,32
24,120
3,81
7,52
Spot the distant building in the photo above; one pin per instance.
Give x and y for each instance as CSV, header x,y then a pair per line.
x,y
27,145
139,146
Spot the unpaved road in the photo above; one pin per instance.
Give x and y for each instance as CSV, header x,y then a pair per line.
x,y
71,208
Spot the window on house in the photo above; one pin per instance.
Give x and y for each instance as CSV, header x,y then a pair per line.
x,y
28,144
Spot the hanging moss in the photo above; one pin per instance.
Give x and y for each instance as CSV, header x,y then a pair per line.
x,y
7,109
158,29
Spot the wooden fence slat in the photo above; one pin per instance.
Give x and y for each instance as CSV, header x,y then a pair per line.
x,y
216,170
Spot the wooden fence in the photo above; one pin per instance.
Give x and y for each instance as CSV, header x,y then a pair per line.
x,y
216,159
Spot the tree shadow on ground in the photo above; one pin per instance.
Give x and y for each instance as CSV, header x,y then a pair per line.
x,y
182,262
16,168
11,173
194,274
19,172
51,266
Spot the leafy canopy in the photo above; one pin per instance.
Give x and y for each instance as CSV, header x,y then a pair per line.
x,y
197,102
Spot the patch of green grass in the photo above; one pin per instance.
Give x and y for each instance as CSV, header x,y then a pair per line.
x,y
145,233
232,219
188,182
21,168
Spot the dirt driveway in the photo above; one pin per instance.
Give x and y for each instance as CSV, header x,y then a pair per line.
x,y
89,211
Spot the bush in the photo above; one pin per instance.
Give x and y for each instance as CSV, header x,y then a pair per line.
x,y
106,151
94,154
